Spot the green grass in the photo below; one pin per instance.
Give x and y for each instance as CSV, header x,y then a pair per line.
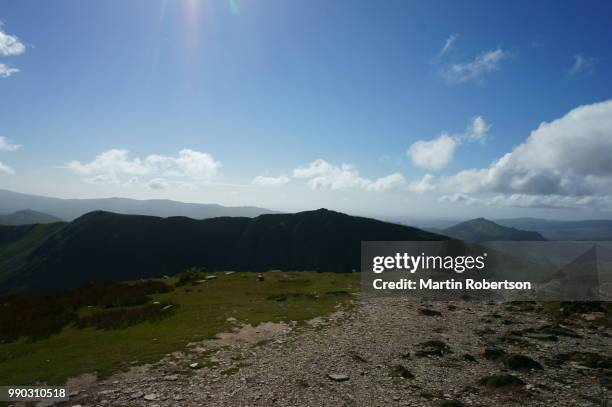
x,y
27,237
201,313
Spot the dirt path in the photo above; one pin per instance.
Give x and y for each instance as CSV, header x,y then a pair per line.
x,y
378,354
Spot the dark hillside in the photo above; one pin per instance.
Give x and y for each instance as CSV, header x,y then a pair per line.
x,y
106,247
482,229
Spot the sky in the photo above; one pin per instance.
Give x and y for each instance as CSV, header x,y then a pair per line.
x,y
397,110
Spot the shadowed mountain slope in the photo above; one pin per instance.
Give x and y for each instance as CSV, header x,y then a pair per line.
x,y
27,217
105,247
482,229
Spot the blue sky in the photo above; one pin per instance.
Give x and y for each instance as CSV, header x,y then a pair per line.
x,y
356,106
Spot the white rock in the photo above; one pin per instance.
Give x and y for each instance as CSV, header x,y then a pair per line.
x,y
150,397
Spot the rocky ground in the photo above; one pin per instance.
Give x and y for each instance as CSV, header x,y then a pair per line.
x,y
383,352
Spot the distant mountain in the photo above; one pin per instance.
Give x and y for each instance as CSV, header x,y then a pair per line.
x,y
599,229
105,247
482,229
27,217
70,209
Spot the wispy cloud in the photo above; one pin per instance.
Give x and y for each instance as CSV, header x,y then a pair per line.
x,y
582,65
6,145
5,169
265,181
6,71
478,129
448,44
9,46
476,69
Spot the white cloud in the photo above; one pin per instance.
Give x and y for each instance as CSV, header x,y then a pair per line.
x,y
103,179
189,163
460,198
448,44
434,154
568,157
425,184
386,183
10,45
6,145
158,184
6,71
582,65
5,169
265,181
321,174
473,70
110,162
110,166
478,129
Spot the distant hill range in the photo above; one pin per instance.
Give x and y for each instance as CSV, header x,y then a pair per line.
x,y
27,217
69,209
104,247
482,229
564,230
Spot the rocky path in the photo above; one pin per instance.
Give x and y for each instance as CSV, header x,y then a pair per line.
x,y
384,352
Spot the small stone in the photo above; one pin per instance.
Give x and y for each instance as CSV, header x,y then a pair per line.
x,y
338,377
494,353
171,377
150,397
211,277
430,312
194,365
137,395
401,371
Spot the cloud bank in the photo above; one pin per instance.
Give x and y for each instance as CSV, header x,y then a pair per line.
x,y
111,166
563,163
323,175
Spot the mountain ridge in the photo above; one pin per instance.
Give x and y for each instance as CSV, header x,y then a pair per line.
x,y
482,229
70,209
105,247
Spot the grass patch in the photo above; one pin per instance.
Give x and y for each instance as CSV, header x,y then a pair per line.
x,y
125,317
72,351
230,371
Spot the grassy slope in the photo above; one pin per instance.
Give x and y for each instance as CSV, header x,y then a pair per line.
x,y
19,240
201,313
